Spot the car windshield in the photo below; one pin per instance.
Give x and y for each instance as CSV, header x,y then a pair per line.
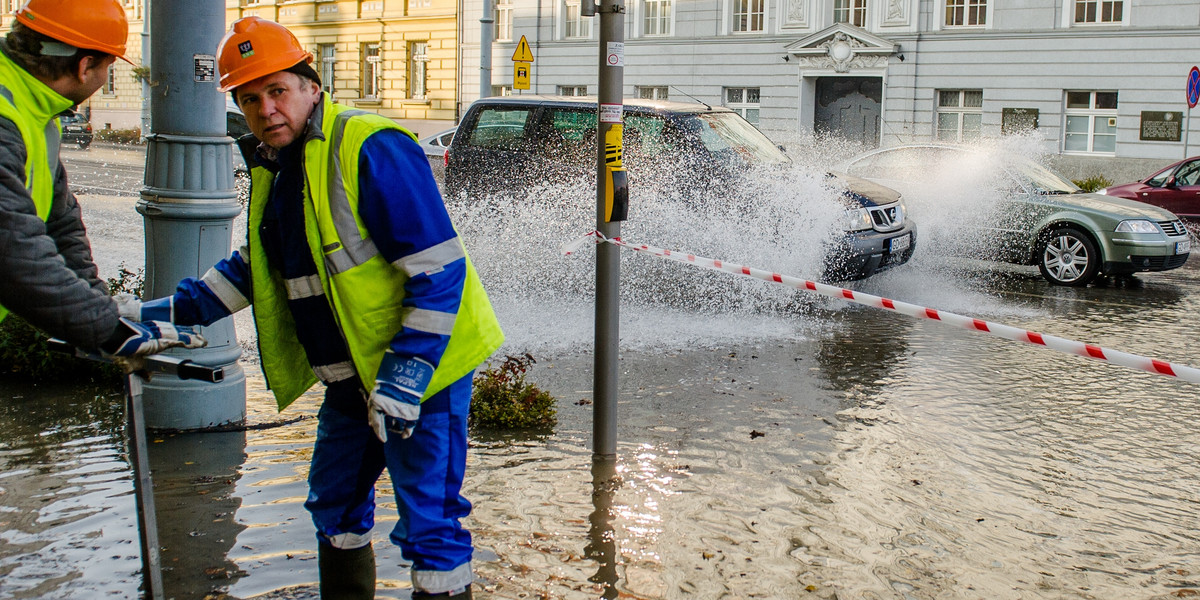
x,y
728,134
1042,179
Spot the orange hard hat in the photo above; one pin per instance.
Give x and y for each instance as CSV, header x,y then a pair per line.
x,y
255,47
91,24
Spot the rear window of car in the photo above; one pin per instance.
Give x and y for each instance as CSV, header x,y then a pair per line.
x,y
500,128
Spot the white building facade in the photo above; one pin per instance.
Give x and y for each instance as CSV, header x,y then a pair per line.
x,y
1101,82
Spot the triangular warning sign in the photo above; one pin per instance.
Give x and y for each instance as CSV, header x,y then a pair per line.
x,y
523,54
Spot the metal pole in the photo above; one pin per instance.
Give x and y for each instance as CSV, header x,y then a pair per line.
x,y
189,202
1187,128
608,264
486,33
145,64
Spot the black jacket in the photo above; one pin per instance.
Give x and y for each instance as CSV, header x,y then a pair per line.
x,y
47,275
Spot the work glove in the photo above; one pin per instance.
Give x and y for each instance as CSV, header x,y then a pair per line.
x,y
150,337
132,308
395,401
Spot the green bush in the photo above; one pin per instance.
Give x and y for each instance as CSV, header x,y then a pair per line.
x,y
503,400
24,353
119,136
1093,183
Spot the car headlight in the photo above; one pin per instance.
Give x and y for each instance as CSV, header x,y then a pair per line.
x,y
1102,191
1137,226
858,220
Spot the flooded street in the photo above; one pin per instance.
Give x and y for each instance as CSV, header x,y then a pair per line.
x,y
772,445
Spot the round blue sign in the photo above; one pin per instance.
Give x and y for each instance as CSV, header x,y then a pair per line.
x,y
1193,87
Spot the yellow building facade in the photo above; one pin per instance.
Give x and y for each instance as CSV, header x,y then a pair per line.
x,y
394,57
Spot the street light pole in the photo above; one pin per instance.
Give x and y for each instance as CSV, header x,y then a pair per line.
x,y
189,202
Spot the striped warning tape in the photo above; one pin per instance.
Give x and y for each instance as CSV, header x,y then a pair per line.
x,y
1017,334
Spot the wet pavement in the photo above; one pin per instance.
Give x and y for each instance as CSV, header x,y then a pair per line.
x,y
785,448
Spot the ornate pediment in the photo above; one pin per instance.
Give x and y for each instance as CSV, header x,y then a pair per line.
x,y
843,48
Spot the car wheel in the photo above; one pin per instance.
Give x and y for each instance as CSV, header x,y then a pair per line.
x,y
1068,257
84,145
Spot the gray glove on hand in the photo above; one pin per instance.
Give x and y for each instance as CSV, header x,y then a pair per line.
x,y
395,402
150,337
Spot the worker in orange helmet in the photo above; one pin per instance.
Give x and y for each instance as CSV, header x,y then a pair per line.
x,y
358,280
56,56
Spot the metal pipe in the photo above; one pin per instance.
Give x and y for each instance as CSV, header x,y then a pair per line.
x,y
608,264
486,33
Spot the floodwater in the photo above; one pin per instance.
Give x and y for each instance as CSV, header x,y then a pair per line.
x,y
771,445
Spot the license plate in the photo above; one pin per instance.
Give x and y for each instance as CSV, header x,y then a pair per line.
x,y
900,244
73,128
1183,247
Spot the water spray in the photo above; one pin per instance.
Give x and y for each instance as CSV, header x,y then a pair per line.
x,y
1134,361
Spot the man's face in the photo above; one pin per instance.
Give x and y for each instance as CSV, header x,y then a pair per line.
x,y
277,106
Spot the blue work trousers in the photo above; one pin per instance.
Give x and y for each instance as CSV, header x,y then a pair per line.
x,y
427,474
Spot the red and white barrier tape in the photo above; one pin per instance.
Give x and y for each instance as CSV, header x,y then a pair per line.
x,y
1017,334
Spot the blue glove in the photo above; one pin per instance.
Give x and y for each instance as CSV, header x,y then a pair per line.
x,y
150,337
395,402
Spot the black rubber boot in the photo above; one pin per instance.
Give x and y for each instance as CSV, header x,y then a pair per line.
x,y
346,574
465,594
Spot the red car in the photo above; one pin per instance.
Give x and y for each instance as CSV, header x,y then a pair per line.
x,y
1175,188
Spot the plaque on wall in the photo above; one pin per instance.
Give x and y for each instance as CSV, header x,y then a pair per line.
x,y
1158,126
1018,120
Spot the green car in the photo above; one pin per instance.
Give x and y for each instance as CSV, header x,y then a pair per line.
x,y
998,205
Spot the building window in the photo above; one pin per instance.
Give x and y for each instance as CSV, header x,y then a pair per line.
x,y
966,12
1091,122
502,90
748,15
372,71
652,92
504,23
656,17
572,90
744,101
853,12
1099,11
959,115
110,86
418,69
577,25
326,52
373,6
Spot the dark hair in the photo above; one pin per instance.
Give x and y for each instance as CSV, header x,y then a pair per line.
x,y
25,49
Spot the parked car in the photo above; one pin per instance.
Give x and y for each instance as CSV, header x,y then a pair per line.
x,y
236,127
1041,218
436,146
508,143
1175,188
75,129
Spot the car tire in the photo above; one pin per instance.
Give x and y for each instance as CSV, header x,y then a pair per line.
x,y
84,145
1068,256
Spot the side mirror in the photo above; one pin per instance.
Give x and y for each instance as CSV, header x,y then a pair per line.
x,y
1170,182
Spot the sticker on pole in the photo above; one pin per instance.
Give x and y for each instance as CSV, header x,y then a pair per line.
x,y
1193,87
615,56
206,68
610,113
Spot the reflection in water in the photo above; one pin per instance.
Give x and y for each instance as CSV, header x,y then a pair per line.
x,y
602,540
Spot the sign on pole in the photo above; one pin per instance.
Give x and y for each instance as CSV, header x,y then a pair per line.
x,y
522,60
1193,87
